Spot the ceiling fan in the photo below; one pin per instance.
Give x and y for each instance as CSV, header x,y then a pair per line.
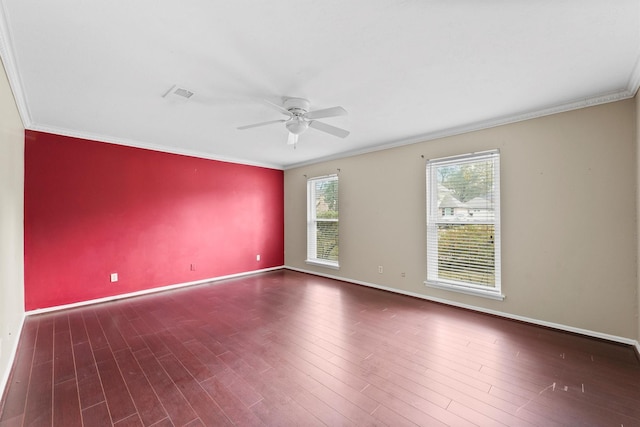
x,y
300,118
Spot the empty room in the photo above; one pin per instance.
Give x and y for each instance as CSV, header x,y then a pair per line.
x,y
393,213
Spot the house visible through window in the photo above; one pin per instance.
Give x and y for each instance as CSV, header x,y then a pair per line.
x,y
322,221
463,224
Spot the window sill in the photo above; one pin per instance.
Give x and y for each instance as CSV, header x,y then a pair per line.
x,y
466,290
321,263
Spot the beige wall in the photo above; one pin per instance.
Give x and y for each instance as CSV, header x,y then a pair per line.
x,y
11,226
568,217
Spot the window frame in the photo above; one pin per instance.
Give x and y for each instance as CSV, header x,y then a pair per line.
x,y
312,221
433,220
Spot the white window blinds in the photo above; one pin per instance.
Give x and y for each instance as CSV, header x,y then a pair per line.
x,y
463,223
322,221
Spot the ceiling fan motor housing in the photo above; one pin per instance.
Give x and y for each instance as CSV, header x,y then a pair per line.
x,y
297,107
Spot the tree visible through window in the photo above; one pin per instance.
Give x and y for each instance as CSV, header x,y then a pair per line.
x,y
322,221
463,223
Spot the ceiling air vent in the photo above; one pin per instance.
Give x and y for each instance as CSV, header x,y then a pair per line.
x,y
177,93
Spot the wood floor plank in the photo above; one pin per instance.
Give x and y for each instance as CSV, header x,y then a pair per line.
x,y
133,340
39,410
89,385
66,404
416,415
116,393
94,331
109,318
310,380
77,327
96,415
149,408
280,400
314,403
212,362
199,370
164,423
336,391
131,421
63,365
15,421
150,336
238,412
173,401
387,417
43,352
206,408
61,323
239,387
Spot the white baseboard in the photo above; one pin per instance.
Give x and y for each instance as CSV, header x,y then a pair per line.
x,y
4,379
566,328
148,291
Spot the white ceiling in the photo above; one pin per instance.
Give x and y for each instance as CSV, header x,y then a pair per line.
x,y
405,70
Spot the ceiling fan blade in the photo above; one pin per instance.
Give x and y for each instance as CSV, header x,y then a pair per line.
x,y
293,139
340,133
261,124
276,107
327,112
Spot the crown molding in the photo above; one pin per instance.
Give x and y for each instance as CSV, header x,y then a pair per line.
x,y
147,146
11,68
491,123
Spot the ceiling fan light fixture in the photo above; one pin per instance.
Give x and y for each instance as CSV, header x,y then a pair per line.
x,y
297,125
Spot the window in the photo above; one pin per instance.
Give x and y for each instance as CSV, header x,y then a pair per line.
x,y
322,221
463,224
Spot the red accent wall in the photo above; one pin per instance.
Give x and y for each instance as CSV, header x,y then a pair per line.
x,y
92,209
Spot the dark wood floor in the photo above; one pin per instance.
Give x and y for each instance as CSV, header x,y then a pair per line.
x,y
285,348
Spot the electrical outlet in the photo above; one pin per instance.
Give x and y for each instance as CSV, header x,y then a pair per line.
x,y
258,257
380,269
403,274
193,267
114,277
